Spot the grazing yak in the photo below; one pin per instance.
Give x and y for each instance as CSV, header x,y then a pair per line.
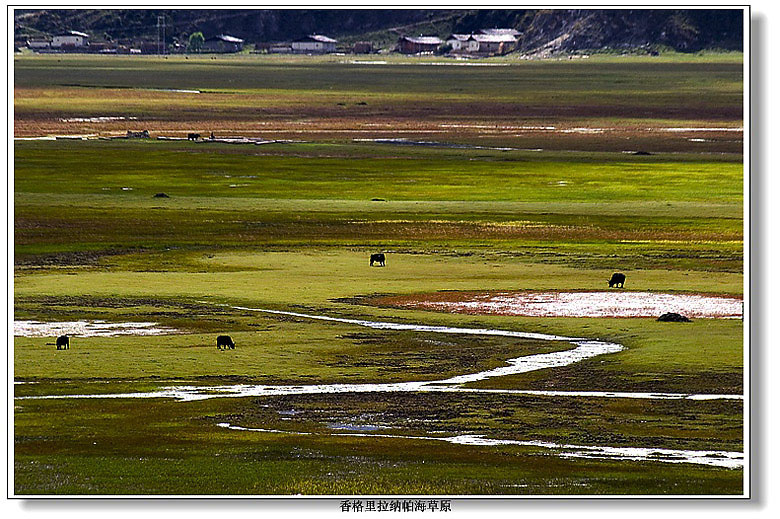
x,y
672,317
193,136
377,258
63,342
617,280
224,342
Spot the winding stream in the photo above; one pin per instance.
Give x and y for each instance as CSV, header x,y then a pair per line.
x,y
583,349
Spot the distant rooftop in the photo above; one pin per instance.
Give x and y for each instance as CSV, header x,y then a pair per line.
x,y
317,37
226,38
494,38
498,32
73,33
423,40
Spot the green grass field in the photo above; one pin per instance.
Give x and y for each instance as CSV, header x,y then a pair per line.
x,y
289,226
332,98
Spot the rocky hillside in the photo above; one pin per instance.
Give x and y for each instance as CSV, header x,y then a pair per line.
x,y
578,29
543,30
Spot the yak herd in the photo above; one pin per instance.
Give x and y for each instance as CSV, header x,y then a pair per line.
x,y
225,342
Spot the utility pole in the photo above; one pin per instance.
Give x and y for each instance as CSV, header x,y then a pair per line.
x,y
160,35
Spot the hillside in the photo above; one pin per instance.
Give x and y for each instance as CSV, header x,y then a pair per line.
x,y
557,30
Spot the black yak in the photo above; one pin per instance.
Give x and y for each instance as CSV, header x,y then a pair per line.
x,y
672,317
378,258
617,280
224,342
63,342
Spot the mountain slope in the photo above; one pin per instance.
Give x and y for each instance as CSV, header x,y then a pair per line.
x,y
551,30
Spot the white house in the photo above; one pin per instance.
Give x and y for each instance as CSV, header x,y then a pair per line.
x,y
492,43
483,44
70,39
314,43
38,44
458,42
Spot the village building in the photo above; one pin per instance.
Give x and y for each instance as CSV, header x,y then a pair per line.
x,y
483,44
491,44
100,46
272,48
280,48
38,44
70,39
314,44
223,43
458,42
418,44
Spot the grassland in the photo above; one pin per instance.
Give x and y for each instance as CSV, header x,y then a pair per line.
x,y
339,98
289,226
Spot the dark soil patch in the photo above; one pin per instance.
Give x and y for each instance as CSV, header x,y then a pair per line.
x,y
592,376
70,258
567,420
410,355
122,302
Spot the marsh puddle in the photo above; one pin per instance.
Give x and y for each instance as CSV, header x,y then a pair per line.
x,y
174,90
88,329
74,137
99,119
696,129
586,304
724,459
591,130
352,427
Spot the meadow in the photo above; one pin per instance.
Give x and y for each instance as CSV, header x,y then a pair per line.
x,y
501,102
289,226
